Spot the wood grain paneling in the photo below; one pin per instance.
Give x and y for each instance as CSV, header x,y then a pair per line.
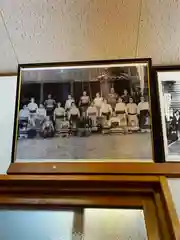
x,y
166,169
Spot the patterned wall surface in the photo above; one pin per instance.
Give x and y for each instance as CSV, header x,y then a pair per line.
x,y
61,30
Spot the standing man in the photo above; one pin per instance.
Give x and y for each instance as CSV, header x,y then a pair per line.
x,y
50,106
125,96
136,95
92,113
98,101
121,112
112,98
68,103
84,103
32,107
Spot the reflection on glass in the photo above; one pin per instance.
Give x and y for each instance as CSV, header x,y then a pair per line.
x,y
36,225
116,224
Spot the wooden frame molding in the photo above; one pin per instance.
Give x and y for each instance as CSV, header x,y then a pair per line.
x,y
149,193
156,169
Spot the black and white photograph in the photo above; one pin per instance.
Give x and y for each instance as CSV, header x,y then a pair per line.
x,y
169,96
84,112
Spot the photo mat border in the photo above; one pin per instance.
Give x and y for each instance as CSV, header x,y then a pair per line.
x,y
156,152
168,69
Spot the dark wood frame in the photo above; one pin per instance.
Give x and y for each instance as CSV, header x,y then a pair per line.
x,y
155,70
156,135
77,191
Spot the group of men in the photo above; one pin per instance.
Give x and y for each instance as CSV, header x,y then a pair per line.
x,y
124,111
114,111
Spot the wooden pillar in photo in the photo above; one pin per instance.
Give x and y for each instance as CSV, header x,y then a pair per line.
x,y
140,70
72,88
105,86
39,80
131,85
41,92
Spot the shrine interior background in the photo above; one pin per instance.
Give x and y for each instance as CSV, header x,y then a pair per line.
x,y
61,82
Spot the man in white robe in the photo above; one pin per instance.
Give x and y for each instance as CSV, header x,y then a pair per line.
x,y
105,113
98,101
132,115
144,115
92,113
121,112
74,115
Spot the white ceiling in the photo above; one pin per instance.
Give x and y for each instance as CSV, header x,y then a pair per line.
x,y
72,30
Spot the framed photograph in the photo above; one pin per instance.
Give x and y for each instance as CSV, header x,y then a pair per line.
x,y
168,78
96,111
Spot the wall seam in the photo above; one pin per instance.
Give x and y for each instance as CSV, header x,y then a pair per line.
x,y
8,35
138,30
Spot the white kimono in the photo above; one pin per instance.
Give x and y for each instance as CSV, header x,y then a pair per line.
x,y
121,112
98,101
59,114
132,114
105,108
92,113
32,107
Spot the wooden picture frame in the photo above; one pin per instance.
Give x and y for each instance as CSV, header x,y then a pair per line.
x,y
157,153
149,193
167,78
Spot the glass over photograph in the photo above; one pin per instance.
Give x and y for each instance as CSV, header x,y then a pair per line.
x,y
93,112
169,95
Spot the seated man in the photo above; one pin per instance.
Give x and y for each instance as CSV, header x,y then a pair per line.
x,y
23,122
105,113
65,126
40,116
144,115
84,126
92,113
74,115
114,121
23,117
132,115
121,112
47,128
31,128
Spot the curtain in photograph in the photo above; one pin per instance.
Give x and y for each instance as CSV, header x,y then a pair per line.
x,y
140,70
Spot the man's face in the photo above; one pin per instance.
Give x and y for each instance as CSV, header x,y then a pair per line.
x,y
131,100
142,99
112,90
177,114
